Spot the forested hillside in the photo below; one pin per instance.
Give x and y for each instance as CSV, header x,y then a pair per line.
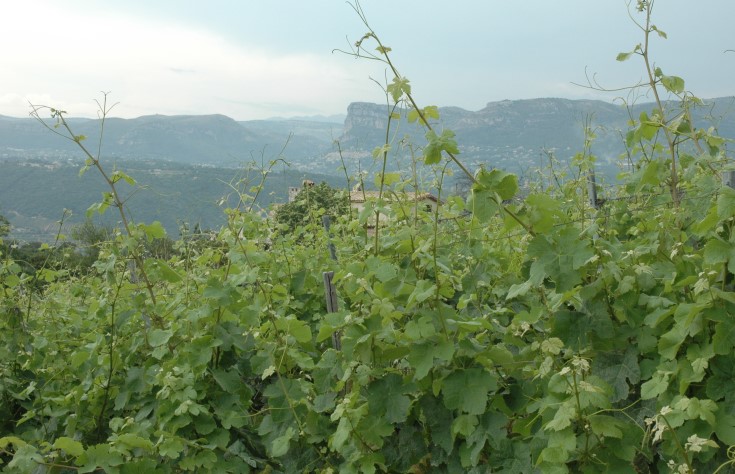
x,y
168,192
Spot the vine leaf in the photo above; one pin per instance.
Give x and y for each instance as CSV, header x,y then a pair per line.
x,y
621,371
70,446
398,87
560,257
386,398
655,386
490,189
437,144
726,203
467,390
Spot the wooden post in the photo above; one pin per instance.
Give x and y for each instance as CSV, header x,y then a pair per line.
x,y
728,178
330,292
592,188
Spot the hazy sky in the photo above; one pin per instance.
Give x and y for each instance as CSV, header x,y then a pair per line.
x,y
257,59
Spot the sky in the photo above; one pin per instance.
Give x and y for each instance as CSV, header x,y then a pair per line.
x,y
261,59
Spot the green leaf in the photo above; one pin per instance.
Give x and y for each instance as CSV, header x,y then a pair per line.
x,y
623,56
386,398
424,290
398,88
5,441
324,402
165,271
674,84
70,446
422,355
554,456
118,175
661,33
421,358
717,251
724,337
647,129
655,386
171,447
280,445
388,179
99,456
134,441
552,346
429,112
694,408
504,184
542,210
78,358
669,342
159,337
650,175
725,428
386,271
464,425
519,289
488,192
726,203
468,389
563,417
300,330
154,231
230,381
437,144
608,426
622,372
560,257
341,434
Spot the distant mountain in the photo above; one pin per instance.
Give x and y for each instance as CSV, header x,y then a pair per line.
x,y
337,118
513,135
311,137
195,139
508,134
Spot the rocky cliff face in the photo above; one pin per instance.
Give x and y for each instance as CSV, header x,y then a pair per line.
x,y
515,134
363,116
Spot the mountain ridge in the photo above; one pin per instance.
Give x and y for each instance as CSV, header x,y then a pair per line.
x,y
191,158
509,134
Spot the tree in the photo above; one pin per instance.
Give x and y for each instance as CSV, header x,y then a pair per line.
x,y
90,237
311,203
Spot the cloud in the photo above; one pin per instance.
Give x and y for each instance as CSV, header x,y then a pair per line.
x,y
155,67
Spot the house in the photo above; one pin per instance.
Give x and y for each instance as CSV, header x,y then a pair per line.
x,y
294,191
359,197
426,201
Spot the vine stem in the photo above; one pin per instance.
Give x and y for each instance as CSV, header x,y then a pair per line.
x,y
382,178
111,183
667,132
422,117
678,445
